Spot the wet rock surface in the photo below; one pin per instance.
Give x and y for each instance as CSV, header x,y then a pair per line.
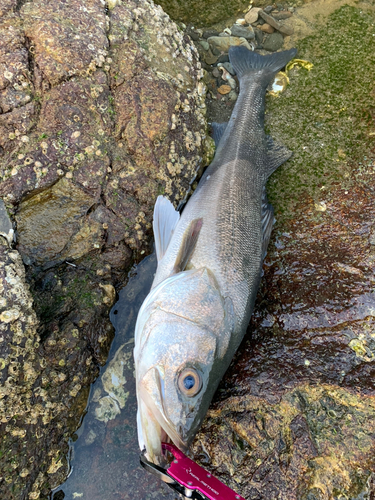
x,y
101,110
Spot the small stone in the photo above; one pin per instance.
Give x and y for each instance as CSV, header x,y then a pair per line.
x,y
223,43
224,89
204,44
209,33
321,206
76,134
233,95
258,36
252,16
228,67
282,15
241,31
266,28
268,9
216,73
286,30
241,22
223,58
210,58
193,35
273,42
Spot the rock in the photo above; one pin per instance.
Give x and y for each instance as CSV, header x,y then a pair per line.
x,y
208,33
210,58
282,15
193,35
204,44
241,31
92,128
268,9
286,30
224,89
228,67
258,36
223,58
266,28
273,42
233,95
224,42
216,73
252,16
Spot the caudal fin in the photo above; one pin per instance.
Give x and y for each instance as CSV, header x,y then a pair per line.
x,y
244,61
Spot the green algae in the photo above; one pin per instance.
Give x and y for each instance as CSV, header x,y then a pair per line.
x,y
325,116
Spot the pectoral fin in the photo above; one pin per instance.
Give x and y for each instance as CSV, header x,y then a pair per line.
x,y
164,223
188,243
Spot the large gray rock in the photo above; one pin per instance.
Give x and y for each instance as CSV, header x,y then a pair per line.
x,y
101,110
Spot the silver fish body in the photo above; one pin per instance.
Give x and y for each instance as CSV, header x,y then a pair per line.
x,y
209,268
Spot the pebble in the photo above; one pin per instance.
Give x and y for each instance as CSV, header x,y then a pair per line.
x,y
208,33
204,44
223,58
258,36
282,15
228,67
233,95
210,58
268,9
241,21
267,28
224,89
286,30
273,42
223,43
252,16
216,73
241,31
193,35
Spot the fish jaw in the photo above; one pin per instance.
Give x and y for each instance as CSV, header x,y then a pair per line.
x,y
154,427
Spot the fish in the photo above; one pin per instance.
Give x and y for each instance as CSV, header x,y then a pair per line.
x,y
209,266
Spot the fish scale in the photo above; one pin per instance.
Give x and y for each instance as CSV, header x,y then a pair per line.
x,y
209,266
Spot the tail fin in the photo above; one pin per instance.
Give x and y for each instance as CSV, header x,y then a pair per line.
x,y
244,61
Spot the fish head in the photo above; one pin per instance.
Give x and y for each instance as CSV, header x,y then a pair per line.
x,y
182,333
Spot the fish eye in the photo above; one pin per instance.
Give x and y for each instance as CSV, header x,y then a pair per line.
x,y
189,382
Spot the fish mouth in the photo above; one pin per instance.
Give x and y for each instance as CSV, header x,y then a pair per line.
x,y
155,427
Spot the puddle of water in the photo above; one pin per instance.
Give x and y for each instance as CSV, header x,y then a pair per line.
x,y
104,457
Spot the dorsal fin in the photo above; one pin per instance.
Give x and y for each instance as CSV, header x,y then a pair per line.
x,y
164,223
268,220
188,243
277,154
218,130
